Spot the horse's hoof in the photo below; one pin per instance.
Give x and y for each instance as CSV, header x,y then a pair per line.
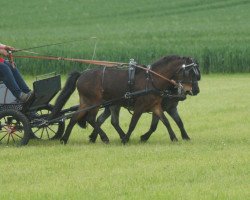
x,y
144,138
91,139
63,141
186,138
105,140
125,140
174,139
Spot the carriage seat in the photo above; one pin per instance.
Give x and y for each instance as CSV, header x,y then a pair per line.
x,y
6,97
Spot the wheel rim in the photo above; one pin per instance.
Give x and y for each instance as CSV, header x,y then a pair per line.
x,y
46,132
11,130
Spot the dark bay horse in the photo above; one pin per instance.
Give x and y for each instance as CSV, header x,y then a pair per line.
x,y
169,104
101,85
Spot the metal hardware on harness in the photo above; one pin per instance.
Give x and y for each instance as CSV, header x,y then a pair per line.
x,y
131,72
127,95
188,68
103,72
147,76
131,76
180,88
132,62
148,68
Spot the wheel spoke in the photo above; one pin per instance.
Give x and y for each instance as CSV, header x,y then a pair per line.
x,y
5,120
17,135
13,138
42,133
36,130
8,139
47,133
51,129
4,136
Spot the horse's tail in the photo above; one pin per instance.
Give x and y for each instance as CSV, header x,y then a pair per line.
x,y
66,92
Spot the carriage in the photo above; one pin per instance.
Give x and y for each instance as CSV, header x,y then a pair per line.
x,y
21,122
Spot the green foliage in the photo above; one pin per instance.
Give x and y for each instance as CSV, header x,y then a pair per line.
x,y
215,32
213,165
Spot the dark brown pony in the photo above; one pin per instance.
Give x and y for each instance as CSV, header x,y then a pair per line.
x,y
98,86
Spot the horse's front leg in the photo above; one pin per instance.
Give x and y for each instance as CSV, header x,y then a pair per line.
x,y
175,115
135,117
159,112
152,128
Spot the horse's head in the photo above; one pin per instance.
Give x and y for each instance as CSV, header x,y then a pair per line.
x,y
188,75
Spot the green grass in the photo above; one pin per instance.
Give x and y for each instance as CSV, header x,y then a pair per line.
x,y
216,32
213,165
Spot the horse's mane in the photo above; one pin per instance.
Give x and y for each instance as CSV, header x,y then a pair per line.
x,y
165,60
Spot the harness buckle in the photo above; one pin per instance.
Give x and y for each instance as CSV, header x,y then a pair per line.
x,y
132,62
127,95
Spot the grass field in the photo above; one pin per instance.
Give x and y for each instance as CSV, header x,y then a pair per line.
x,y
213,165
216,32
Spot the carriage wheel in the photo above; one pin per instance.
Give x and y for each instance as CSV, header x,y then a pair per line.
x,y
52,131
14,128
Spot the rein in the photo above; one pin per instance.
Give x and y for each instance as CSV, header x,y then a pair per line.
x,y
94,62
155,73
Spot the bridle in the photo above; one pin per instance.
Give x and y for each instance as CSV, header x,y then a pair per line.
x,y
185,71
184,74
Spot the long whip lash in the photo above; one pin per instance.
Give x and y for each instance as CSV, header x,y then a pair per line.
x,y
53,44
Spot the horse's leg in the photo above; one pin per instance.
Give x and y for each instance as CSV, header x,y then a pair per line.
x,y
152,129
97,130
159,112
72,122
135,117
175,115
96,126
115,111
100,121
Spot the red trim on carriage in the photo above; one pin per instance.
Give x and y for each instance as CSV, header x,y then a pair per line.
x,y
1,60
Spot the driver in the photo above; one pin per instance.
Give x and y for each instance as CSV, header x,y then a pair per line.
x,y
12,77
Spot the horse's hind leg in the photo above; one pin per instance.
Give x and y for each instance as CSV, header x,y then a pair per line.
x,y
152,129
115,111
74,119
100,120
97,129
69,128
175,115
135,117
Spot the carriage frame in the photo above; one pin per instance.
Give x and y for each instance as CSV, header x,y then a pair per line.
x,y
21,122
